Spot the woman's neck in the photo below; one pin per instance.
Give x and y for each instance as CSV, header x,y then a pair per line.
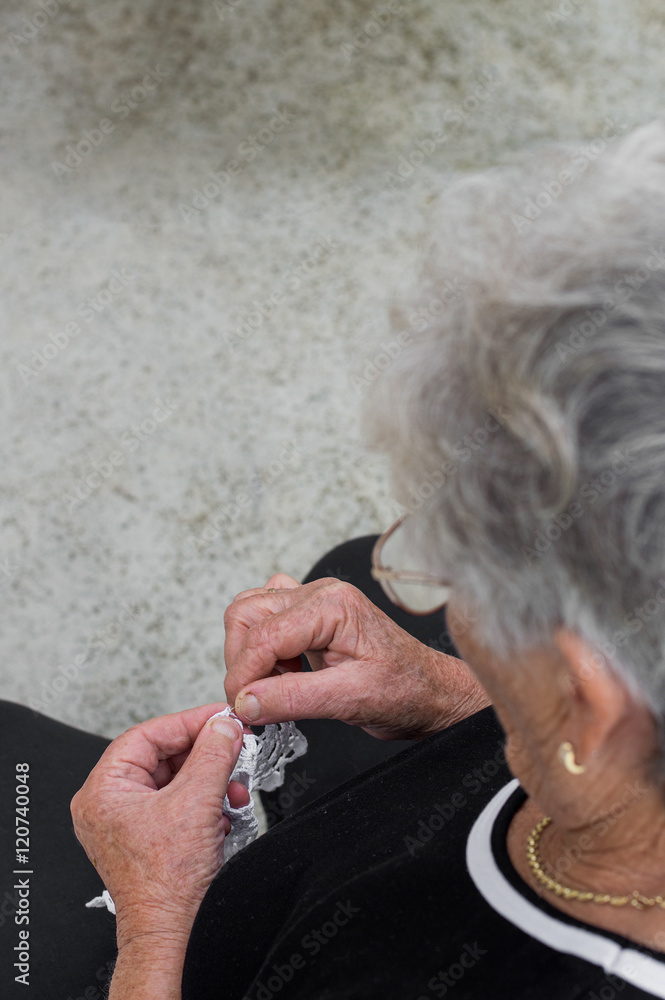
x,y
615,855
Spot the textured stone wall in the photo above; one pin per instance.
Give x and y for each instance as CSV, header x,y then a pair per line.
x,y
205,209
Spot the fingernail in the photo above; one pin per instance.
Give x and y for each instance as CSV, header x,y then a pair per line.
x,y
226,727
249,706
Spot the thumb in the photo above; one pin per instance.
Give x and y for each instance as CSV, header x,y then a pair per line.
x,y
214,755
323,694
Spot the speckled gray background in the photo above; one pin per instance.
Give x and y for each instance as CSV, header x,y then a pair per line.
x,y
112,602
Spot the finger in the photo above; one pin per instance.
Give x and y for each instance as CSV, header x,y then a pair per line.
x,y
294,665
312,616
252,652
279,581
244,614
327,694
250,592
167,769
146,745
250,607
238,794
163,773
209,766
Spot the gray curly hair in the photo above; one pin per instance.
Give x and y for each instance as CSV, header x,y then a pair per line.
x,y
534,402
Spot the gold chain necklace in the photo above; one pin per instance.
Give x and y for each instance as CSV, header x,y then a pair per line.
x,y
635,899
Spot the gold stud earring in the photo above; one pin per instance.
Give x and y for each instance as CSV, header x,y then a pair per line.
x,y
567,758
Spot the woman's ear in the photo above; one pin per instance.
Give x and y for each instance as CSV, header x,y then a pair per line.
x,y
598,701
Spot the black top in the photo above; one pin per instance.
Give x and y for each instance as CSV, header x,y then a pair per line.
x,y
367,892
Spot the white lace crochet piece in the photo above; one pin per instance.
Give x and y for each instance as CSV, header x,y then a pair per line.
x,y
260,766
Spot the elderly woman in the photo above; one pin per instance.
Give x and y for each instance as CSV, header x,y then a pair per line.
x,y
526,427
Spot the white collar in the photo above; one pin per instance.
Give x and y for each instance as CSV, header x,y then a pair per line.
x,y
641,970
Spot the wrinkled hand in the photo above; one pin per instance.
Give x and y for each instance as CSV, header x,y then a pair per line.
x,y
367,671
150,818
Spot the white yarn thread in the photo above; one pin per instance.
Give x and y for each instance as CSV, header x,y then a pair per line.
x,y
100,901
260,766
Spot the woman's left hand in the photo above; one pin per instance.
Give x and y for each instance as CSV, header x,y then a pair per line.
x,y
150,818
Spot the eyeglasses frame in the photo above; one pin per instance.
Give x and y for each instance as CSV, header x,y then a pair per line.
x,y
383,574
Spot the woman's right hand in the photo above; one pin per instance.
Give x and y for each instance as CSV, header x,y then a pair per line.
x,y
366,670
